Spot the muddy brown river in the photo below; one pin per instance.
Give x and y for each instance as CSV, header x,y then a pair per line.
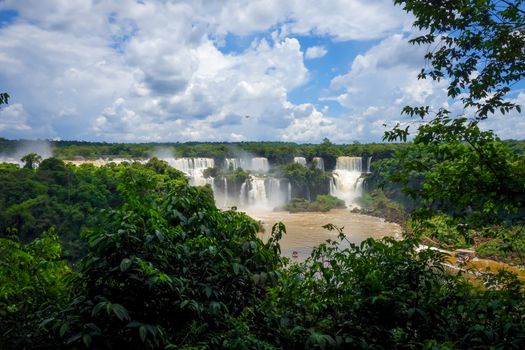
x,y
305,230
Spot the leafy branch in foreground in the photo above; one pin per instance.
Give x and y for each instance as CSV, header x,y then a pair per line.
x,y
477,44
4,98
455,168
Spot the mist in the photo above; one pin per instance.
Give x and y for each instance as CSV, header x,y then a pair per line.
x,y
42,148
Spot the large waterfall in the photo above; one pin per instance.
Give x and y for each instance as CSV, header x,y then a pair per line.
x,y
264,189
257,193
347,181
194,168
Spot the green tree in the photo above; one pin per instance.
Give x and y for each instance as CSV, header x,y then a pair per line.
x,y
462,171
31,160
167,269
477,44
307,181
33,285
453,166
388,294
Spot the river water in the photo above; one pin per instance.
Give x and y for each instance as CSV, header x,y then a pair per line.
x,y
305,230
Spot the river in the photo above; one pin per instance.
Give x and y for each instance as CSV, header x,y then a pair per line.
x,y
305,230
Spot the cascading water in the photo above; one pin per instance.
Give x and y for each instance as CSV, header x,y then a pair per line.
x,y
232,163
277,193
319,163
260,164
226,202
347,183
194,168
262,190
300,160
257,193
243,195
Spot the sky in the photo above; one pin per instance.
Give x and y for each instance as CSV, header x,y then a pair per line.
x,y
214,70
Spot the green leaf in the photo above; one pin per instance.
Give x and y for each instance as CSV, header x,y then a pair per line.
x,y
63,329
98,307
121,312
143,333
236,267
125,264
86,338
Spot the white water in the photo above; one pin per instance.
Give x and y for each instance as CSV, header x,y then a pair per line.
x,y
257,194
232,163
300,160
277,193
226,201
194,168
347,182
260,164
243,196
261,190
319,163
263,193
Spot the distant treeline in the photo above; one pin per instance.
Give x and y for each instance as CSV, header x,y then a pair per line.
x,y
276,152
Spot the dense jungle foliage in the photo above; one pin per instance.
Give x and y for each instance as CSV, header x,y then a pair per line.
x,y
462,186
161,267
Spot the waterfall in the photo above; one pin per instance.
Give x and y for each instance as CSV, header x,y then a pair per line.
x,y
261,192
243,194
300,160
368,165
277,195
257,193
194,168
260,164
225,192
347,182
289,191
319,163
232,163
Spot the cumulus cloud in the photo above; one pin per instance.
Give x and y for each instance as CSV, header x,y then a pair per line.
x,y
315,52
14,118
161,70
508,126
383,80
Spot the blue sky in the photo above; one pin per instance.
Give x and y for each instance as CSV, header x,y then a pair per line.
x,y
214,70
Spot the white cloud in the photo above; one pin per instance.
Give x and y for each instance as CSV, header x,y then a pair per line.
x,y
315,52
158,70
348,20
508,126
14,118
384,79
